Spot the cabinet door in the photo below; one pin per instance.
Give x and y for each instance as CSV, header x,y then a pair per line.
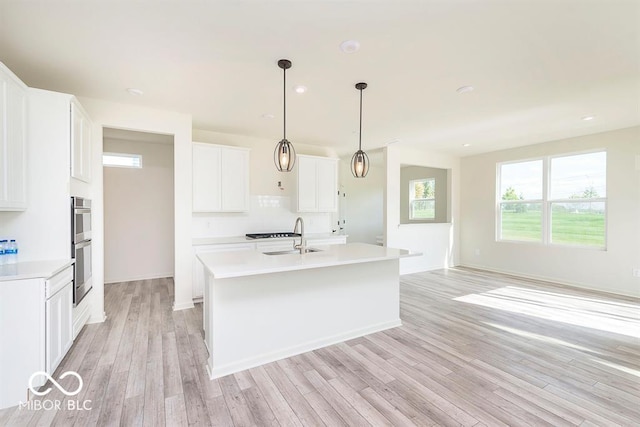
x,y
22,337
307,188
327,181
80,143
206,178
76,142
13,166
235,180
59,329
86,149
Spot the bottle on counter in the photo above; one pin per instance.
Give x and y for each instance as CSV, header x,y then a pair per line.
x,y
11,252
3,244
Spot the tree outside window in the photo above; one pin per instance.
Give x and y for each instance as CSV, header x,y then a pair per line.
x,y
422,199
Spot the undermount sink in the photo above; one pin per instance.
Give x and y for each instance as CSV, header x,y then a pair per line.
x,y
293,251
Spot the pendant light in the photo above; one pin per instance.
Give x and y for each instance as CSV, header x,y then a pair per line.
x,y
284,155
360,160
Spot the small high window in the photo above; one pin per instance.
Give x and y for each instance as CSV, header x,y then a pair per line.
x,y
122,160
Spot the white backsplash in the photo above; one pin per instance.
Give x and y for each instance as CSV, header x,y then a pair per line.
x,y
266,214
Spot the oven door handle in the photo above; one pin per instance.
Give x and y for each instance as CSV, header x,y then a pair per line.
x,y
81,210
83,244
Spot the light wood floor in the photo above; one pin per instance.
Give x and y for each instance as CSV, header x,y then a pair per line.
x,y
453,362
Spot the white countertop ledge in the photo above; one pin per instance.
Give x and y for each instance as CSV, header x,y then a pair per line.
x,y
224,265
33,269
197,241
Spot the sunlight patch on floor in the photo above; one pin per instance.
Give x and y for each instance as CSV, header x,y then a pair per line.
x,y
538,337
618,367
602,315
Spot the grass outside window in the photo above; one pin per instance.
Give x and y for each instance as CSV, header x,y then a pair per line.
x,y
571,211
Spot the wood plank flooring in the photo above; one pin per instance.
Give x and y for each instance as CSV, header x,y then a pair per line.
x,y
475,349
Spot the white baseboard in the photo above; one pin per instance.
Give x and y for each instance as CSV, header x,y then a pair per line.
x,y
135,278
98,319
262,359
544,279
80,317
177,306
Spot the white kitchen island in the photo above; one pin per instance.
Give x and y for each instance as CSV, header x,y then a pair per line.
x,y
259,308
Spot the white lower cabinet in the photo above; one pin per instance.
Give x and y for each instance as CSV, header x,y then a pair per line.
x,y
59,335
35,331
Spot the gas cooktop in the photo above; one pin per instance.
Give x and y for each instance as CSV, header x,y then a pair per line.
x,y
271,235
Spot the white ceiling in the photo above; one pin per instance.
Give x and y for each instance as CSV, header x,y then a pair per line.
x,y
537,66
135,136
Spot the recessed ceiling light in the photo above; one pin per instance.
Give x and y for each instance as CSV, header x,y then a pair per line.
x,y
464,89
134,91
466,145
350,46
268,116
393,141
300,89
587,118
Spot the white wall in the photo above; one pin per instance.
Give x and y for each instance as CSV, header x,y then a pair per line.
x,y
609,270
363,204
123,116
270,206
138,213
438,243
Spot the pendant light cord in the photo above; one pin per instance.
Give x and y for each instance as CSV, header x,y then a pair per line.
x,y
360,137
284,95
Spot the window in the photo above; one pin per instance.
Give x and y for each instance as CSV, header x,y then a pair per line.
x,y
578,199
521,201
554,200
422,199
122,160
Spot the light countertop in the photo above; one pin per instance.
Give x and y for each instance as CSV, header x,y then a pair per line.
x,y
243,239
224,265
33,269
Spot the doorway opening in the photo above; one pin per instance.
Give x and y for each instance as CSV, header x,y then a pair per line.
x,y
139,203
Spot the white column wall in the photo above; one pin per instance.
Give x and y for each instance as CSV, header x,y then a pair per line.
x,y
439,243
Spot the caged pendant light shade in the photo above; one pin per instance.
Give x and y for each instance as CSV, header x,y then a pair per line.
x,y
360,160
284,156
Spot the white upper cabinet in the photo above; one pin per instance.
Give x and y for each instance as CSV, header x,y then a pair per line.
x,y
220,178
317,179
13,141
235,180
80,143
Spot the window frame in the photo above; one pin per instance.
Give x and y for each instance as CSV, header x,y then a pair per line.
x,y
546,201
412,191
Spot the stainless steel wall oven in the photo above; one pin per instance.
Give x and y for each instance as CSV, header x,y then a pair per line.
x,y
81,246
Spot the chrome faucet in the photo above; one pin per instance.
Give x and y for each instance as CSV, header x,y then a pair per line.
x,y
300,221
